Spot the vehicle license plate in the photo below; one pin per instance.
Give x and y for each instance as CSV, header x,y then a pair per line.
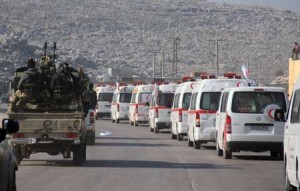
x,y
259,128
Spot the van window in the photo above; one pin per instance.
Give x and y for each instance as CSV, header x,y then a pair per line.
x,y
295,118
125,97
224,101
165,100
210,100
105,97
144,97
186,100
256,102
193,101
176,101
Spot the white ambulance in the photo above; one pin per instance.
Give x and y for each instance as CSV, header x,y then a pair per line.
x,y
120,103
202,111
292,141
139,104
179,111
245,121
160,107
104,99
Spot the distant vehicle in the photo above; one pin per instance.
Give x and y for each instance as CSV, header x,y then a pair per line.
x,y
8,161
291,141
245,121
160,107
203,107
139,104
120,103
104,97
179,110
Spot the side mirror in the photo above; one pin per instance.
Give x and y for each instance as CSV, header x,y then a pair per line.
x,y
279,115
147,104
10,126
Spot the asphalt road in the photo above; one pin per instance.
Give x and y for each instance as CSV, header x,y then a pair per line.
x,y
131,158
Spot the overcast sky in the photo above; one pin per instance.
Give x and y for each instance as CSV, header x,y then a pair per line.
x,y
293,5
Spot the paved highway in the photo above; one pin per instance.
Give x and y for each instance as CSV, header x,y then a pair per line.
x,y
131,158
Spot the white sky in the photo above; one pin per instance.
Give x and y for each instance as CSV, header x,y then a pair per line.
x,y
293,5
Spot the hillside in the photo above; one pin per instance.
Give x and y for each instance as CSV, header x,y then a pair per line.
x,y
125,33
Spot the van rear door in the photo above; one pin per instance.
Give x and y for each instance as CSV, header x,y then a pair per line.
x,y
253,110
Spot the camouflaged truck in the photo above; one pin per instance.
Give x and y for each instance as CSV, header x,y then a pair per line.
x,y
50,112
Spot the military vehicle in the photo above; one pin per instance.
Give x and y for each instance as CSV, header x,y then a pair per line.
x,y
49,109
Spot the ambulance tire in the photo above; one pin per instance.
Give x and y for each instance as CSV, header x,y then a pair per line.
x,y
227,154
190,143
219,151
173,136
197,144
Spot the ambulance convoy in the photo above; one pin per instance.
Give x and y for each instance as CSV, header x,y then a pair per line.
x,y
204,111
225,111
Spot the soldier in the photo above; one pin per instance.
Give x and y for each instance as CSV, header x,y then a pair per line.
x,y
61,86
31,80
89,98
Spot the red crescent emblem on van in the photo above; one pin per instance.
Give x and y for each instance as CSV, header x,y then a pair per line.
x,y
148,98
270,113
192,85
125,89
238,84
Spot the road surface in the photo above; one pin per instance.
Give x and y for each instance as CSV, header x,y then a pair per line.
x,y
134,159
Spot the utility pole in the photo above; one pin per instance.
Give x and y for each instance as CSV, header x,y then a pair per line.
x,y
153,65
162,63
217,50
175,56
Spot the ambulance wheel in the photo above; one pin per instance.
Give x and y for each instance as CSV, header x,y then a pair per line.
x,y
190,143
173,136
151,130
197,144
277,154
227,154
90,140
179,137
156,130
219,151
117,121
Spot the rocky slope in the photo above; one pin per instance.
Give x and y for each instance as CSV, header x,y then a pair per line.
x,y
125,33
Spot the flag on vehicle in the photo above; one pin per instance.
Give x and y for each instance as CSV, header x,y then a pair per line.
x,y
245,72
